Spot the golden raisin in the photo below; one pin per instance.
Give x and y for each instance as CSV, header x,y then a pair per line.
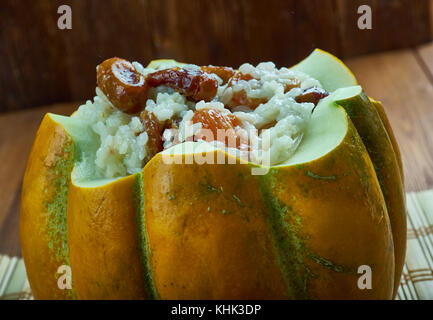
x,y
313,95
225,73
154,132
240,98
240,76
122,84
295,84
195,85
215,122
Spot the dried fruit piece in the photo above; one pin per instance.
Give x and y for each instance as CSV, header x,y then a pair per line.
x,y
218,126
194,84
240,76
240,98
313,95
154,132
225,73
122,84
294,84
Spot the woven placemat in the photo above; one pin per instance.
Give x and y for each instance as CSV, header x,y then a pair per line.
x,y
417,277
13,279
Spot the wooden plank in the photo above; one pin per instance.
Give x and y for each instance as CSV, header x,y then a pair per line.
x,y
431,17
17,131
394,23
400,82
9,229
42,64
425,52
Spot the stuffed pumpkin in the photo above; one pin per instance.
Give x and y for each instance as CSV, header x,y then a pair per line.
x,y
181,181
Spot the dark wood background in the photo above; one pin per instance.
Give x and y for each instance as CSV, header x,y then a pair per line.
x,y
41,64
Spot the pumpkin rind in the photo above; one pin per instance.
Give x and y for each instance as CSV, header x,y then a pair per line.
x,y
104,254
43,230
208,234
387,124
320,231
375,130
368,122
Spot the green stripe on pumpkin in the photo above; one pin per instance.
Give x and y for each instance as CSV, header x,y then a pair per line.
x,y
289,245
140,218
57,233
374,135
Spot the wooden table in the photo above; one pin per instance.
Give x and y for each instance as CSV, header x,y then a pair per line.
x,y
402,80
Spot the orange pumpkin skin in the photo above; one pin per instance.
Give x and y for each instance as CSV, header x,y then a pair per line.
x,y
104,252
373,126
305,234
43,209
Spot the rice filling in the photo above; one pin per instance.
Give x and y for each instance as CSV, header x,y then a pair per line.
x,y
254,103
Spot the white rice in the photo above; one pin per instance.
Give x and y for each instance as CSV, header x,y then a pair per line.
x,y
123,141
167,106
291,117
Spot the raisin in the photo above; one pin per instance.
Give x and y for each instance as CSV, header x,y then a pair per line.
x,y
195,85
225,73
294,84
154,133
213,121
240,98
122,84
240,76
313,95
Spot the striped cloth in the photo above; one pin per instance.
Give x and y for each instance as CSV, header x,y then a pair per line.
x,y
13,279
416,280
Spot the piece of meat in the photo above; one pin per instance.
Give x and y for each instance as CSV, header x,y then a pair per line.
x,y
195,85
122,84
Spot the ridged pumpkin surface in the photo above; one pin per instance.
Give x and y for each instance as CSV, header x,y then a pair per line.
x,y
43,229
214,231
304,231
